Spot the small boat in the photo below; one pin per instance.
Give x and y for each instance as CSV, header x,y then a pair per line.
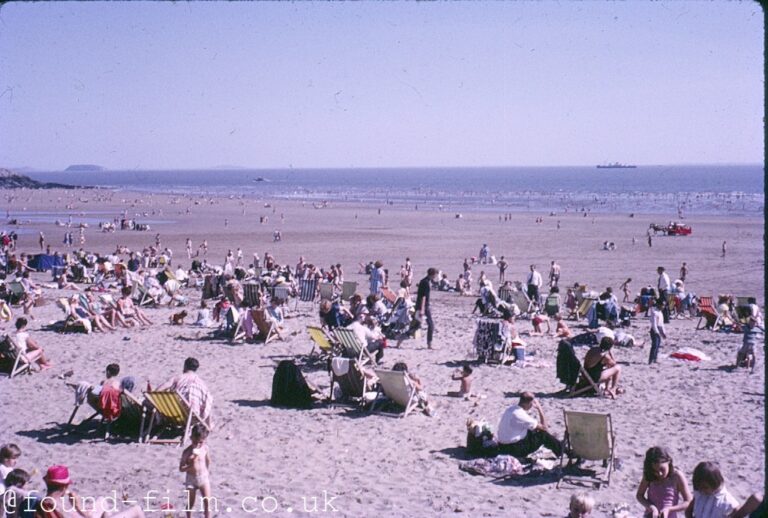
x,y
260,179
616,165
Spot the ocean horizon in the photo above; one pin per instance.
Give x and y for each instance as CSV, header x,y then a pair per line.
x,y
709,189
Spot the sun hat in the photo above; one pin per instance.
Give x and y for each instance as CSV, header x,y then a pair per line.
x,y
57,475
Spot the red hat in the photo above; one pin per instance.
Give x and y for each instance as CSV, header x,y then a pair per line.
x,y
57,475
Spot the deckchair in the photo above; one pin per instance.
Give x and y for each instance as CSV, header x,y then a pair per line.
x,y
19,362
235,321
72,323
307,292
346,373
140,295
505,294
281,293
397,386
348,288
589,436
267,329
389,295
326,291
585,305
321,340
520,298
251,294
566,367
15,292
490,344
351,345
707,313
174,410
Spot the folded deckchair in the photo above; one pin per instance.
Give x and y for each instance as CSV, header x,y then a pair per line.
x,y
346,373
520,298
17,362
174,411
307,292
589,437
351,346
348,288
396,386
141,296
235,322
326,291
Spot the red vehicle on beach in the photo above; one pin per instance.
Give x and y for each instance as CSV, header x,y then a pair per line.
x,y
673,228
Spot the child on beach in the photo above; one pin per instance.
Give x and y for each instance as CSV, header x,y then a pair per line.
x,y
662,486
16,500
465,376
711,499
561,329
195,462
9,456
581,505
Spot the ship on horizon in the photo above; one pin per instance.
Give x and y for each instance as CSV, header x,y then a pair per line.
x,y
617,165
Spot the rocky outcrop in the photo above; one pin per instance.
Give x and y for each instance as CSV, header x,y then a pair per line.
x,y
12,180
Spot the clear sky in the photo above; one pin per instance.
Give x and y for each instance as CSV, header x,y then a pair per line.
x,y
331,84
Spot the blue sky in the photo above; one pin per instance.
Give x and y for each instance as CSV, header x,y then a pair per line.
x,y
325,84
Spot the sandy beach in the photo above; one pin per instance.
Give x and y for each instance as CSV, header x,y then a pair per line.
x,y
368,464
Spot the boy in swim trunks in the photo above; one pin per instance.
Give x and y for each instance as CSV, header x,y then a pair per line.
x,y
195,461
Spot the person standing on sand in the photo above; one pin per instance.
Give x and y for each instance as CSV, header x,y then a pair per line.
x,y
650,241
657,331
534,283
189,248
42,240
724,249
554,274
664,285
502,264
422,302
683,271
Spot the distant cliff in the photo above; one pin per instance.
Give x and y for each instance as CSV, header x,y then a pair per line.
x,y
85,167
11,180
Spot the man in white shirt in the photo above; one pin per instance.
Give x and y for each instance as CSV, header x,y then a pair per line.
x,y
534,283
657,330
372,339
519,434
664,285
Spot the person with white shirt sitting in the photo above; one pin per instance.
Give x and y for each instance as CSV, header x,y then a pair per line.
x,y
520,434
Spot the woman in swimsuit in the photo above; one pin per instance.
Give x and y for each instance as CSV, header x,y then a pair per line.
x,y
602,367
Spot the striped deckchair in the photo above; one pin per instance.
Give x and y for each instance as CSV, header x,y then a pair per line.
x,y
505,294
307,292
321,340
351,346
251,294
326,291
174,411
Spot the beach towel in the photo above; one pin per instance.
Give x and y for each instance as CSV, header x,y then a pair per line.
x,y
109,402
340,366
289,388
689,354
496,467
81,392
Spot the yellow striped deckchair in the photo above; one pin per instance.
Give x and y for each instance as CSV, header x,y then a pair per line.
x,y
174,411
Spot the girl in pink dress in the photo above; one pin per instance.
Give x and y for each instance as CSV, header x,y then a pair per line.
x,y
663,490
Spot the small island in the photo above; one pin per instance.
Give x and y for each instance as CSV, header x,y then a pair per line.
x,y
85,168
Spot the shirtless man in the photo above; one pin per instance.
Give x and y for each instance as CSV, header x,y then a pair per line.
x,y
602,367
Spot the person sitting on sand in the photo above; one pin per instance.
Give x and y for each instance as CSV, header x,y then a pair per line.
x,y
537,320
61,502
80,312
128,311
464,375
519,434
561,329
31,293
29,347
276,315
421,395
602,367
203,318
63,284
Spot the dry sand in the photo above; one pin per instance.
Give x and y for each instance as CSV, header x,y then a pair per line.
x,y
378,465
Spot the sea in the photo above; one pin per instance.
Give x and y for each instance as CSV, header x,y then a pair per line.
x,y
677,190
